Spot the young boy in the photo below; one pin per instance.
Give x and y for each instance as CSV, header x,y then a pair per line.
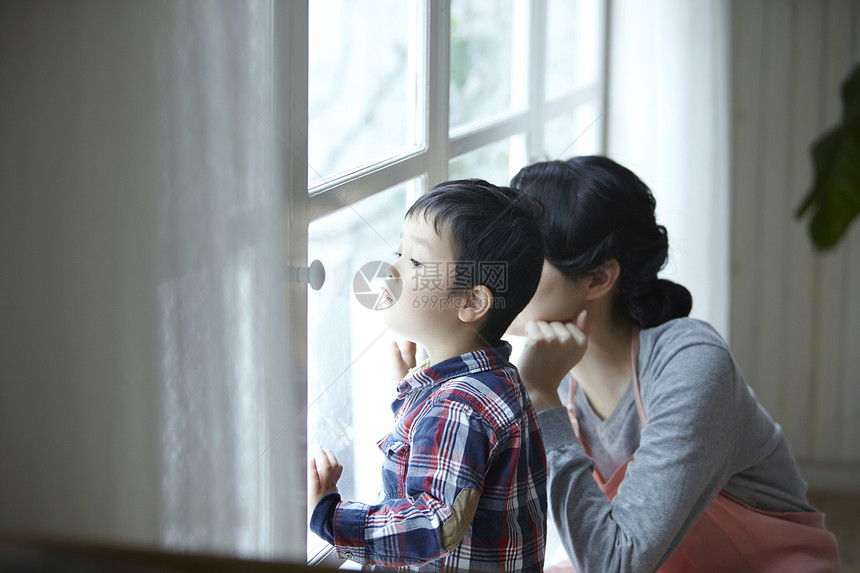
x,y
464,475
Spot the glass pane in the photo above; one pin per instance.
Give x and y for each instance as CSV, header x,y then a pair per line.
x,y
488,54
497,162
349,394
576,133
573,45
363,83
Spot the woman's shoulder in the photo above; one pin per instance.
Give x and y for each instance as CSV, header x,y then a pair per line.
x,y
690,350
679,333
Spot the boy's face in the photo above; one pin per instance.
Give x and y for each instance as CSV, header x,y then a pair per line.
x,y
426,311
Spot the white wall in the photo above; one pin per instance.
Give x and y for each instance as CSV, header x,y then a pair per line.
x,y
795,314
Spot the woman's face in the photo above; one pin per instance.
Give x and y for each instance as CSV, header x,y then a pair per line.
x,y
558,298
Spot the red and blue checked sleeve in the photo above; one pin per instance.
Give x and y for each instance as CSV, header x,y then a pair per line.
x,y
443,450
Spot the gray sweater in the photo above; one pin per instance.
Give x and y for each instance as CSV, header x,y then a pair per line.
x,y
705,433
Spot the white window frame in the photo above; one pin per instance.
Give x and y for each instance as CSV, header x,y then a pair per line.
x,y
430,162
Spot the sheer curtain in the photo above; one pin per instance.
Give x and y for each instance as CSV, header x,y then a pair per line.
x,y
668,121
147,390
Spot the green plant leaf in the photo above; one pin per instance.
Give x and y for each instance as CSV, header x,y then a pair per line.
x,y
835,194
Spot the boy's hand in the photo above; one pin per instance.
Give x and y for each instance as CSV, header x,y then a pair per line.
x,y
550,351
403,357
323,473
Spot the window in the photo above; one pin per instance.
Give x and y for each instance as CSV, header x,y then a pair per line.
x,y
403,95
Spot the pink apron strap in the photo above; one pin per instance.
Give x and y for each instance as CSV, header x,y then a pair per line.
x,y
634,357
571,409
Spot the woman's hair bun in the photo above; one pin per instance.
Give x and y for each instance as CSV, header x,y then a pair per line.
x,y
655,302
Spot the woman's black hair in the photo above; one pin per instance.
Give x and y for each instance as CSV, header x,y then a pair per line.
x,y
598,210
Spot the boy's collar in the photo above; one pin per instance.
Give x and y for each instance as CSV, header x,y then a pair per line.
x,y
478,361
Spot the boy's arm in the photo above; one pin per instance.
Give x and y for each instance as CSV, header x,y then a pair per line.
x,y
323,515
444,474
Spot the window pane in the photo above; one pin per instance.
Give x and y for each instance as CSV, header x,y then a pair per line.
x,y
497,162
363,72
573,45
487,59
349,389
576,133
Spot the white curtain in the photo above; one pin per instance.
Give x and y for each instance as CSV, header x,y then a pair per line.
x,y
146,381
668,121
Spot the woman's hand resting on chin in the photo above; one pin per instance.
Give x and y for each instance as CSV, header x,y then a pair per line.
x,y
551,350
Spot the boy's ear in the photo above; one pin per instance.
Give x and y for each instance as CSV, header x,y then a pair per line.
x,y
479,299
603,279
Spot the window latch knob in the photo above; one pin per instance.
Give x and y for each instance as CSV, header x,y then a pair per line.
x,y
313,275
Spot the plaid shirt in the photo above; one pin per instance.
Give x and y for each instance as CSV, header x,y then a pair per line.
x,y
463,424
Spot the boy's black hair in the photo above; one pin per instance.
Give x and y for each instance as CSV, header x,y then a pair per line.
x,y
497,242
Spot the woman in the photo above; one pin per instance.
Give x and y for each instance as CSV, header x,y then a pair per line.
x,y
662,457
